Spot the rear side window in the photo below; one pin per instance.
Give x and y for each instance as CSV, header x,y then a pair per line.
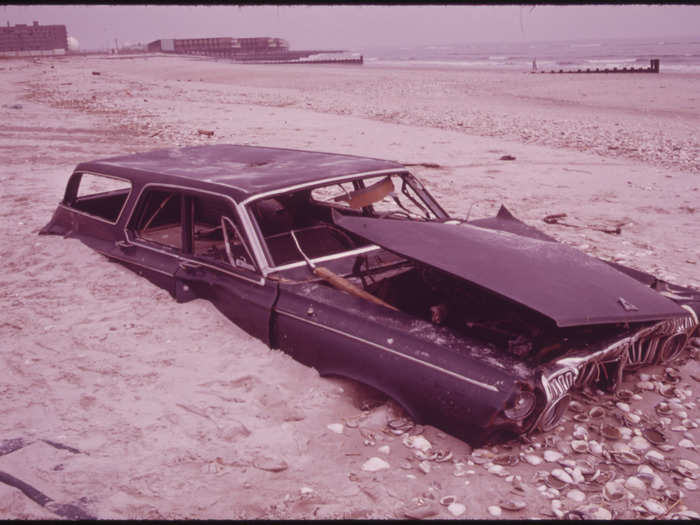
x,y
98,195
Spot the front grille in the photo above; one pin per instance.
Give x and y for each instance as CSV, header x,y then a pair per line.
x,y
659,343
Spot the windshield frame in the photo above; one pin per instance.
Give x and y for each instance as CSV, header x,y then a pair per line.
x,y
265,260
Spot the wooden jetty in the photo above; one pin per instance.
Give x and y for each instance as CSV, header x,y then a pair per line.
x,y
653,68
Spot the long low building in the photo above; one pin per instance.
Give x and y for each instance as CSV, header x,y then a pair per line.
x,y
221,46
34,40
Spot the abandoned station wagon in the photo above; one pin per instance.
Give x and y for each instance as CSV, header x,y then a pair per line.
x,y
349,265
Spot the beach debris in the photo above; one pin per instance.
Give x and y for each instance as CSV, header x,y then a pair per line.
x,y
576,495
639,443
654,507
270,464
561,475
335,427
456,509
417,442
686,443
420,512
657,460
533,459
305,491
625,458
579,446
596,413
512,504
613,490
374,464
96,73
686,463
481,456
551,456
447,500
12,106
206,132
441,456
635,484
611,432
400,425
508,460
507,157
424,467
494,510
654,435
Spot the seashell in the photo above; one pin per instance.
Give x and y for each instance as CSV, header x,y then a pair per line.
x,y
596,413
689,423
424,467
589,486
663,409
481,456
689,485
686,443
580,432
626,458
610,431
632,419
555,483
494,510
374,464
577,407
622,406
417,442
672,375
533,459
595,448
351,423
512,504
639,443
685,472
654,435
506,459
667,391
605,476
586,467
634,483
550,441
447,500
624,395
659,463
567,463
442,455
562,475
688,464
579,446
581,418
498,470
654,507
576,495
552,455
613,491
456,509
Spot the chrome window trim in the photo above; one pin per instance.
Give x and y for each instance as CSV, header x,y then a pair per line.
x,y
332,257
98,174
395,352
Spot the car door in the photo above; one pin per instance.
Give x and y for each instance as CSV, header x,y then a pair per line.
x,y
189,243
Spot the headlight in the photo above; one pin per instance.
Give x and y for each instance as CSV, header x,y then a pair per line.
x,y
521,407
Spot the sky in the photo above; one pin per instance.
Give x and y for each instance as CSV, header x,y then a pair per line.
x,y
356,28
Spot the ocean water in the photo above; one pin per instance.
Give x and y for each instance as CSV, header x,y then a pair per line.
x,y
680,55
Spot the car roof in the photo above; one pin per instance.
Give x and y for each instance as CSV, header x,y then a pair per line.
x,y
238,171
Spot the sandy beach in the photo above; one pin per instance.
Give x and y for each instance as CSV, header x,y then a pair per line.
x,y
170,411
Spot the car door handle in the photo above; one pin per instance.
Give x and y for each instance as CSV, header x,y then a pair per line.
x,y
123,245
189,266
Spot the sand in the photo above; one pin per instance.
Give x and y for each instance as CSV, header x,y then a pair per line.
x,y
173,409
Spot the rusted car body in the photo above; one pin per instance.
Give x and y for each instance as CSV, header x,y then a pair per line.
x,y
349,265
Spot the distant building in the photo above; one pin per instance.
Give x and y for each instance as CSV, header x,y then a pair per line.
x,y
221,46
25,40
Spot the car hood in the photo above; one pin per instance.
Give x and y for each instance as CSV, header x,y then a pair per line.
x,y
559,282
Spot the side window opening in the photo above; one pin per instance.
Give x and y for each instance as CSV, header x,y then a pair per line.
x,y
98,195
159,219
192,224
